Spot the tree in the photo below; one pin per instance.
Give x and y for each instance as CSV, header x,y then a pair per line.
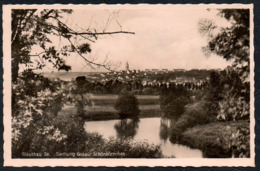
x,y
36,100
173,101
231,43
127,105
36,28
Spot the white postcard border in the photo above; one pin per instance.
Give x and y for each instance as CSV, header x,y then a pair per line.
x,y
73,162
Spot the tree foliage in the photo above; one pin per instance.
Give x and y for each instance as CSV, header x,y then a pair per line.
x,y
231,43
229,91
33,28
173,101
127,105
228,96
36,100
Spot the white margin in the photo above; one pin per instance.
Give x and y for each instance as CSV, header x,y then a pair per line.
x,y
8,161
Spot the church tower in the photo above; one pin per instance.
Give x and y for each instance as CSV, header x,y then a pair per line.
x,y
127,66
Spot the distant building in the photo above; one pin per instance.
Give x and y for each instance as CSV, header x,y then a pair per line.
x,y
165,70
155,70
120,78
178,70
194,70
127,66
172,80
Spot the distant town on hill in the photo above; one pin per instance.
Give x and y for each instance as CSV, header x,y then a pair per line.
x,y
148,75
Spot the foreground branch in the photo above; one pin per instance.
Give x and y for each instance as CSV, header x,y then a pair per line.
x,y
101,33
88,61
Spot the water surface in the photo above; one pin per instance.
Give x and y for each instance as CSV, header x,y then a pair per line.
x,y
153,130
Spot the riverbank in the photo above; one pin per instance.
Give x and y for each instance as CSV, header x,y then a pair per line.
x,y
96,113
214,138
103,107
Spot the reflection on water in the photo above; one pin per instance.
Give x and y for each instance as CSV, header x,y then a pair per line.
x,y
154,130
165,128
126,128
164,132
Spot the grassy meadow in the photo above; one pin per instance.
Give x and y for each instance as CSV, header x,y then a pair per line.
x,y
103,107
216,135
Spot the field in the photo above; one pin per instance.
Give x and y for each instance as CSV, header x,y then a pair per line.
x,y
103,107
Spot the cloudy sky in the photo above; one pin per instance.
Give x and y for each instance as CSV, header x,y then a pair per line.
x,y
164,37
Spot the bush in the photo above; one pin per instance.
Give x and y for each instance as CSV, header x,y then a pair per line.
x,y
75,133
35,102
228,96
132,149
240,142
233,108
127,105
195,114
68,135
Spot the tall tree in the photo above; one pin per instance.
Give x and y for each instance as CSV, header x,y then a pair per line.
x,y
229,89
231,42
36,100
32,27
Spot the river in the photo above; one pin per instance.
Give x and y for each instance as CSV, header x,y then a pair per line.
x,y
153,130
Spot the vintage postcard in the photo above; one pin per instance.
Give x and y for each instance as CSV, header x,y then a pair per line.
x,y
128,85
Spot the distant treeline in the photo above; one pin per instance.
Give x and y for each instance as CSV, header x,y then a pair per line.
x,y
136,87
195,73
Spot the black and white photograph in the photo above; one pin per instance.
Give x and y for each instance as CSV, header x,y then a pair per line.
x,y
101,82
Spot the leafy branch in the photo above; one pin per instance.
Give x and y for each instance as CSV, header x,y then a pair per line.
x,y
32,27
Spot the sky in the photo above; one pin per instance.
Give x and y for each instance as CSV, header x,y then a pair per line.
x,y
165,38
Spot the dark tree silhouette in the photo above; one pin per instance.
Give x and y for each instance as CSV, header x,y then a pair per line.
x,y
173,101
127,105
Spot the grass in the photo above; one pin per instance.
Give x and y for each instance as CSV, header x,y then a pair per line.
x,y
114,97
103,107
212,136
109,112
111,102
